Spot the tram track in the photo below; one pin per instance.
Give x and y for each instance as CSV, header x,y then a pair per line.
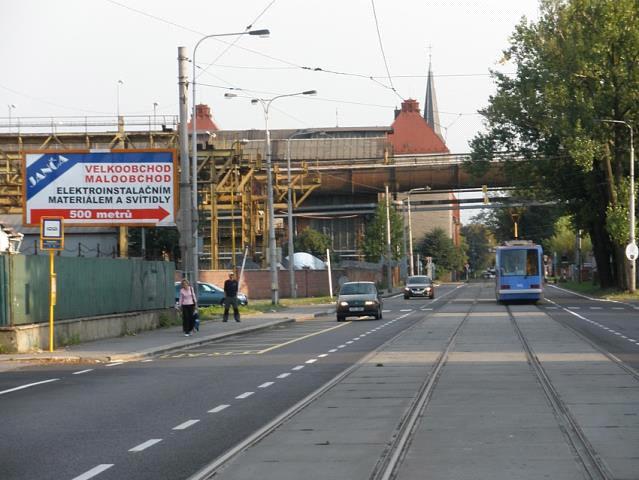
x,y
583,449
390,462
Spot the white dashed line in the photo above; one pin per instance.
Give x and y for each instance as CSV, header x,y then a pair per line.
x,y
596,308
323,355
266,384
312,360
299,367
147,361
341,346
219,408
145,445
94,471
618,308
113,364
406,310
83,371
28,385
244,395
349,342
185,425
332,350
283,375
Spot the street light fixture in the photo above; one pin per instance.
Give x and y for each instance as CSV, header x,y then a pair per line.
x,y
410,227
291,248
266,104
631,206
194,217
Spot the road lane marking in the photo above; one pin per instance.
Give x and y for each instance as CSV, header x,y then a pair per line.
x,y
15,389
113,364
299,367
244,395
312,360
283,375
185,425
341,346
322,355
147,361
83,371
94,471
219,408
303,338
145,445
332,350
349,342
266,384
406,310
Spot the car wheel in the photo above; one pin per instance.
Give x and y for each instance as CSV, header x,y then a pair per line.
x,y
406,297
341,318
379,314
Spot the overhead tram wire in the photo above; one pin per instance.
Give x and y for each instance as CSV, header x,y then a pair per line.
x,y
381,47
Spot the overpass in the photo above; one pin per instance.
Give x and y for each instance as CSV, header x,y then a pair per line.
x,y
330,167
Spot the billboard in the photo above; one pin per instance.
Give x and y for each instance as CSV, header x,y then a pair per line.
x,y
101,187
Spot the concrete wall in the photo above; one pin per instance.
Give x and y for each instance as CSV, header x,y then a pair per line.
x,y
34,337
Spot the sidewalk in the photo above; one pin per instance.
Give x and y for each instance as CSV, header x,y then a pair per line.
x,y
153,342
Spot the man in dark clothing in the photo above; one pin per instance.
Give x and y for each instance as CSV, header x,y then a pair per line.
x,y
230,298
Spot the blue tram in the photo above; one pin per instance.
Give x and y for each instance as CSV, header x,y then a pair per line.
x,y
519,273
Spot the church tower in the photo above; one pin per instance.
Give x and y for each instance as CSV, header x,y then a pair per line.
x,y
431,113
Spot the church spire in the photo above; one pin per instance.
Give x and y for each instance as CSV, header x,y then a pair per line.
x,y
431,114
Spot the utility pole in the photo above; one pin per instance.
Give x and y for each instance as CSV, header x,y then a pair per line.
x,y
186,222
388,242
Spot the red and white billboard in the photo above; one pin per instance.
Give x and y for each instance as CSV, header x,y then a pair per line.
x,y
101,187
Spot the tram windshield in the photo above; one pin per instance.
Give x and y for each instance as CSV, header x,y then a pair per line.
x,y
519,262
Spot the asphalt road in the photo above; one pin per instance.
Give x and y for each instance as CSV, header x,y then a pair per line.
x,y
167,417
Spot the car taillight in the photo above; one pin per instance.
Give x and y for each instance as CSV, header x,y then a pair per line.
x,y
505,287
534,285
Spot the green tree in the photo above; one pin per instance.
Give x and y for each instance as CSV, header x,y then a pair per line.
x,y
162,243
313,242
446,256
563,242
480,241
374,244
533,223
578,64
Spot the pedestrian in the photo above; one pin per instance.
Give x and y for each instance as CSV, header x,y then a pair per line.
x,y
230,298
188,303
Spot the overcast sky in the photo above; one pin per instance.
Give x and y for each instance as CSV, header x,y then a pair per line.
x,y
65,57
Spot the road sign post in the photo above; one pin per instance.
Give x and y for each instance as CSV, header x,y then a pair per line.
x,y
52,239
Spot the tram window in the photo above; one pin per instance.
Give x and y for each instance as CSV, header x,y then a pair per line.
x,y
532,263
519,262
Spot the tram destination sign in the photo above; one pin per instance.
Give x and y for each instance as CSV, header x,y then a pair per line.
x,y
101,187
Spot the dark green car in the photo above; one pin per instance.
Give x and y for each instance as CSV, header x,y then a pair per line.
x,y
358,299
209,294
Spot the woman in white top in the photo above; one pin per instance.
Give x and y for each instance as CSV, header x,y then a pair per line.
x,y
188,302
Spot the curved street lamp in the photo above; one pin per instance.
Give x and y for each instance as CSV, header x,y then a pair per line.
x,y
194,226
266,104
410,227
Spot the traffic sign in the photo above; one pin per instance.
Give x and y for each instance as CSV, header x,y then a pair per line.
x,y
51,233
105,187
632,251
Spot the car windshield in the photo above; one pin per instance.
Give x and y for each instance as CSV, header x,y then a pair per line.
x,y
357,288
421,280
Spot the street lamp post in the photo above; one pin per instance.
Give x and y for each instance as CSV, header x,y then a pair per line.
x,y
194,215
120,82
291,248
631,206
266,104
10,106
410,227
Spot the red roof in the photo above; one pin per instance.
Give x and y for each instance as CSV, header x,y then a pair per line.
x,y
204,122
411,133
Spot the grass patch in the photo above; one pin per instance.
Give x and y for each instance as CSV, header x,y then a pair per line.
x,y
292,302
594,290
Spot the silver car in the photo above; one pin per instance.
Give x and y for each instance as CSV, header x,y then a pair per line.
x,y
419,286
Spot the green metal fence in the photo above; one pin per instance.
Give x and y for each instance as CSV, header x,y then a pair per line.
x,y
86,287
4,290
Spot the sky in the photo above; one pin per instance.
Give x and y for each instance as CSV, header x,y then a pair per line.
x,y
66,58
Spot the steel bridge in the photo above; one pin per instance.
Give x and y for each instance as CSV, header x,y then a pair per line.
x,y
231,172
